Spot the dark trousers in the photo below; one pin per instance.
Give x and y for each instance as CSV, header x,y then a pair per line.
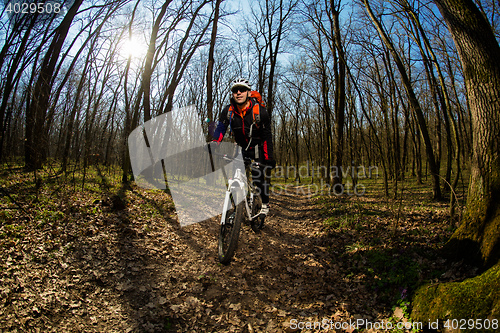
x,y
260,176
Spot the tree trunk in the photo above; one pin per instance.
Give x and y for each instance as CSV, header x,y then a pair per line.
x,y
340,78
211,61
128,121
479,53
477,238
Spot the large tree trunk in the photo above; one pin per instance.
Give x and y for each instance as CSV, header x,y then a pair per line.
x,y
479,53
477,238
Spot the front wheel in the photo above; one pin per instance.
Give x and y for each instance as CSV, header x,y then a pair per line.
x,y
230,229
258,221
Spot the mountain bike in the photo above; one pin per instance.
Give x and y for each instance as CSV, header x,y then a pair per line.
x,y
242,203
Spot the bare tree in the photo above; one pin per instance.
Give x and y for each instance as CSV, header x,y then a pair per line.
x,y
434,169
268,29
35,115
9,81
148,66
211,61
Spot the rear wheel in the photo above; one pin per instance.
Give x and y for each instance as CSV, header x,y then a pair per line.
x,y
230,230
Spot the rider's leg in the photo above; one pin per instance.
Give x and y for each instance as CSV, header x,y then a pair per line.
x,y
261,183
260,180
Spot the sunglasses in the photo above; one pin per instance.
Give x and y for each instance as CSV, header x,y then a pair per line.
x,y
240,89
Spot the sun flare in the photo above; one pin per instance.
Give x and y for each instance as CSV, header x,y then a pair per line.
x,y
133,48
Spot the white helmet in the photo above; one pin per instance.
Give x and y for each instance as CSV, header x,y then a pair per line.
x,y
241,82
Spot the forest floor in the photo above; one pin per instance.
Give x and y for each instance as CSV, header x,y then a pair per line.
x,y
110,259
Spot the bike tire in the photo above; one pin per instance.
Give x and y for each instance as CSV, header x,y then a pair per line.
x,y
257,223
230,230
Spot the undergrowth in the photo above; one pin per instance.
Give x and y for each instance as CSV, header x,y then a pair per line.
x,y
390,246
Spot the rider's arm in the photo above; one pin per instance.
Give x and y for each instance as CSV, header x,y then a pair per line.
x,y
222,125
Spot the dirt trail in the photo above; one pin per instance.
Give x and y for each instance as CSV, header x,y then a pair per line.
x,y
285,272
279,274
137,270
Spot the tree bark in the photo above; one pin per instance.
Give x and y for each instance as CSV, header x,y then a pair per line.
x,y
479,53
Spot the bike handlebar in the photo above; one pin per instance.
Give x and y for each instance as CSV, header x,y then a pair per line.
x,y
229,158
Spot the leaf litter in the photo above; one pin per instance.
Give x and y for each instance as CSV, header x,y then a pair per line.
x,y
103,268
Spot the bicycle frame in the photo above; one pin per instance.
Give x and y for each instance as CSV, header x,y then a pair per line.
x,y
233,213
238,183
234,184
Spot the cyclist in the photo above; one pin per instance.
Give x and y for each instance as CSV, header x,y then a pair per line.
x,y
250,124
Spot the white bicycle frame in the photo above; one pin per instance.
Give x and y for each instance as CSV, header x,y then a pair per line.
x,y
238,183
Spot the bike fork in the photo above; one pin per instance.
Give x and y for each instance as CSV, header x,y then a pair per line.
x,y
227,201
248,205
